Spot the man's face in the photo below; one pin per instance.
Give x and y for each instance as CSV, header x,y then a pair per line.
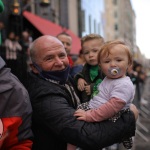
x,y
51,55
67,42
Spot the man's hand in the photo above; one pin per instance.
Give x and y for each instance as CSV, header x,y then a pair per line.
x,y
81,84
135,111
80,114
88,89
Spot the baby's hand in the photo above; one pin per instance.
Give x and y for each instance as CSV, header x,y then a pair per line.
x,y
80,114
81,84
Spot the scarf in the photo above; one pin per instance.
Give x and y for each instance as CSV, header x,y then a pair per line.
x,y
60,76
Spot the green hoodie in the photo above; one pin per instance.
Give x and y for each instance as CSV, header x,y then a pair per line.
x,y
1,10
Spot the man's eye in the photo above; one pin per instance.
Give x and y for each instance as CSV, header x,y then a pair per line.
x,y
68,44
49,58
62,56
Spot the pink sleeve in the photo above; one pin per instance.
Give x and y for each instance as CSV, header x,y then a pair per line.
x,y
107,110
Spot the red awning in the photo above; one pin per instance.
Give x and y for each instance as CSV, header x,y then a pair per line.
x,y
47,27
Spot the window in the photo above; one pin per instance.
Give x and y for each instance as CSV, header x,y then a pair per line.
x,y
115,14
83,20
94,26
90,28
116,27
115,2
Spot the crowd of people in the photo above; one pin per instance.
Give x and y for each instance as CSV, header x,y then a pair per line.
x,y
15,52
138,76
53,108
59,103
86,76
54,98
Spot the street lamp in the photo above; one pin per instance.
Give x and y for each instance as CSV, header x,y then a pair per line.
x,y
45,2
16,8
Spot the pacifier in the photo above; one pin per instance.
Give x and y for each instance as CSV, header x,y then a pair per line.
x,y
114,71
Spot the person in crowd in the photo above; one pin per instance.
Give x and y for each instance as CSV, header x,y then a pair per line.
x,y
138,68
2,26
66,39
80,60
78,64
12,47
91,75
2,50
115,92
139,84
1,10
15,112
54,100
23,57
132,74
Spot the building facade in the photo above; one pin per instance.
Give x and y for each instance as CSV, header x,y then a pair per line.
x,y
91,20
120,21
113,19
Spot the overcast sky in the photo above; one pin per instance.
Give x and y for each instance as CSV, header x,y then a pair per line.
x,y
142,11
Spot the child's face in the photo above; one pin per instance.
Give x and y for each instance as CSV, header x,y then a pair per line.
x,y
117,59
90,51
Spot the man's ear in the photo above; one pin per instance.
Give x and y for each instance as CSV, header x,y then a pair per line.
x,y
33,68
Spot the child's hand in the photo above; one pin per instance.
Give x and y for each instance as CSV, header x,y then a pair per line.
x,y
80,114
88,89
81,84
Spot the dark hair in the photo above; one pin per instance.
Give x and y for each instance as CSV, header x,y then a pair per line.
x,y
63,33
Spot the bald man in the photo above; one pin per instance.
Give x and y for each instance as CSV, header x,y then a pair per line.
x,y
54,100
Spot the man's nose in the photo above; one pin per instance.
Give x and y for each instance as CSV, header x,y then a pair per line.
x,y
58,61
65,45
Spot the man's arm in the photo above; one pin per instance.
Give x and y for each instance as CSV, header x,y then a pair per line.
x,y
58,116
95,136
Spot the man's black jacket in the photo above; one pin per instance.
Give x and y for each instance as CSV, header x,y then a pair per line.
x,y
54,124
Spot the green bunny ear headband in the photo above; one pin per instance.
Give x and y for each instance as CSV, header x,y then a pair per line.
x,y
1,6
1,10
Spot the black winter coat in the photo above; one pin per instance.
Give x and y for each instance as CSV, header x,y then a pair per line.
x,y
54,124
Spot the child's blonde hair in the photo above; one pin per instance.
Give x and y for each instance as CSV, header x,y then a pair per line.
x,y
105,50
91,37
